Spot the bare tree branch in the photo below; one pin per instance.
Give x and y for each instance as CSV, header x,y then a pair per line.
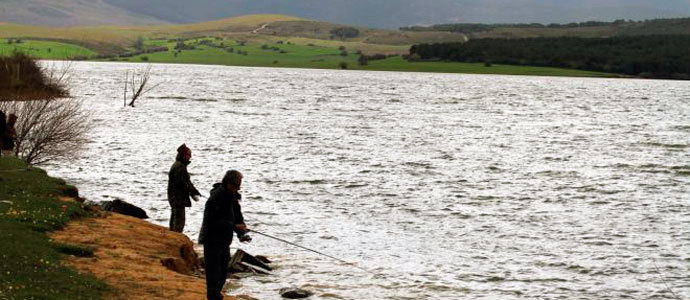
x,y
49,129
138,84
125,94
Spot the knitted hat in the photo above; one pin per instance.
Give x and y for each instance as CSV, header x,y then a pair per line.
x,y
183,149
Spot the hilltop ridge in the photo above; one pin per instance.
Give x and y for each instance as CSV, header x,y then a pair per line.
x,y
70,13
376,14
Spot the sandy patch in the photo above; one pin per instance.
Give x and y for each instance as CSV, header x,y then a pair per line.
x,y
128,257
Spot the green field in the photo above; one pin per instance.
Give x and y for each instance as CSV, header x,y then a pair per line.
x,y
276,52
30,266
289,55
253,40
231,52
44,49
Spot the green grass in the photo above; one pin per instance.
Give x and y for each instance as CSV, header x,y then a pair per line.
x,y
289,55
321,57
30,266
44,49
296,51
74,249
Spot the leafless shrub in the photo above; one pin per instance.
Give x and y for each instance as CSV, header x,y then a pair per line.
x,y
49,129
22,78
58,76
137,84
50,125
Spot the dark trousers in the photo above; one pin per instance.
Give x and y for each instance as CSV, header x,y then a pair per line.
x,y
177,219
217,257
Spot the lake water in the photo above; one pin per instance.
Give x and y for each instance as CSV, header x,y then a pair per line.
x,y
447,186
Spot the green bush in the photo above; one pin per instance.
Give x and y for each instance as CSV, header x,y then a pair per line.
x,y
21,74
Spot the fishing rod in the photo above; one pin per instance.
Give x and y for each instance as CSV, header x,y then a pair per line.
x,y
312,250
308,249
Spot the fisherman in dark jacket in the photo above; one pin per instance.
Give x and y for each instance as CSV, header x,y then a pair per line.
x,y
10,136
3,129
222,217
180,188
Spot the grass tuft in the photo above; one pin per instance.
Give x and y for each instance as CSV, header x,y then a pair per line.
x,y
74,249
30,266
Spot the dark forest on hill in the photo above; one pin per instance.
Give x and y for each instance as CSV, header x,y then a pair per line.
x,y
644,56
621,27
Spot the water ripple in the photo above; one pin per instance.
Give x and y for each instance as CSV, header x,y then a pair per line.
x,y
452,186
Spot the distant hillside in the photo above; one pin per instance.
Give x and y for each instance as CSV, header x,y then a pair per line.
x,y
680,26
115,39
70,13
376,14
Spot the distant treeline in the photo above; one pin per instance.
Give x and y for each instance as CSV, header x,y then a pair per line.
x,y
680,25
478,27
665,56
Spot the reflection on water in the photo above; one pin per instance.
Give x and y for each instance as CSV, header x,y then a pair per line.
x,y
449,186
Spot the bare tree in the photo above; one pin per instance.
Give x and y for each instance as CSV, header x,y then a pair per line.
x,y
50,124
49,129
58,76
137,83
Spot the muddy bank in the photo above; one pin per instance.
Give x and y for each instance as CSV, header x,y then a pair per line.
x,y
136,258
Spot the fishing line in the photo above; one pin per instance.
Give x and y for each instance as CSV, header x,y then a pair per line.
x,y
309,249
312,250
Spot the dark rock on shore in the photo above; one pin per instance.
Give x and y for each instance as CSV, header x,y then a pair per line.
x,y
70,191
185,262
244,262
295,293
263,259
122,207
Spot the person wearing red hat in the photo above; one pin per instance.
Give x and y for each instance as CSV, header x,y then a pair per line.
x,y
180,188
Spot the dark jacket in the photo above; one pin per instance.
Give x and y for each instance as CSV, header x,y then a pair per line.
x,y
179,185
221,214
9,138
4,134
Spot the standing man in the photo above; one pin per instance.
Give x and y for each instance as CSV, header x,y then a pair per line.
x,y
180,188
222,217
3,129
10,137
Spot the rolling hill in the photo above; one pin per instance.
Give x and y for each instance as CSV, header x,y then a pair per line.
x,y
677,26
285,41
376,14
115,39
254,40
70,13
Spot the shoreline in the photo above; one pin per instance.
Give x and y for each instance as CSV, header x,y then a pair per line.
x,y
416,67
130,256
81,252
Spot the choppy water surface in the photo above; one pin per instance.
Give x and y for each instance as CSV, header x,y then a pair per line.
x,y
449,186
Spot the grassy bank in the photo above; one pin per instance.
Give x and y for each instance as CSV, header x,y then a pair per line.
x,y
32,205
43,49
